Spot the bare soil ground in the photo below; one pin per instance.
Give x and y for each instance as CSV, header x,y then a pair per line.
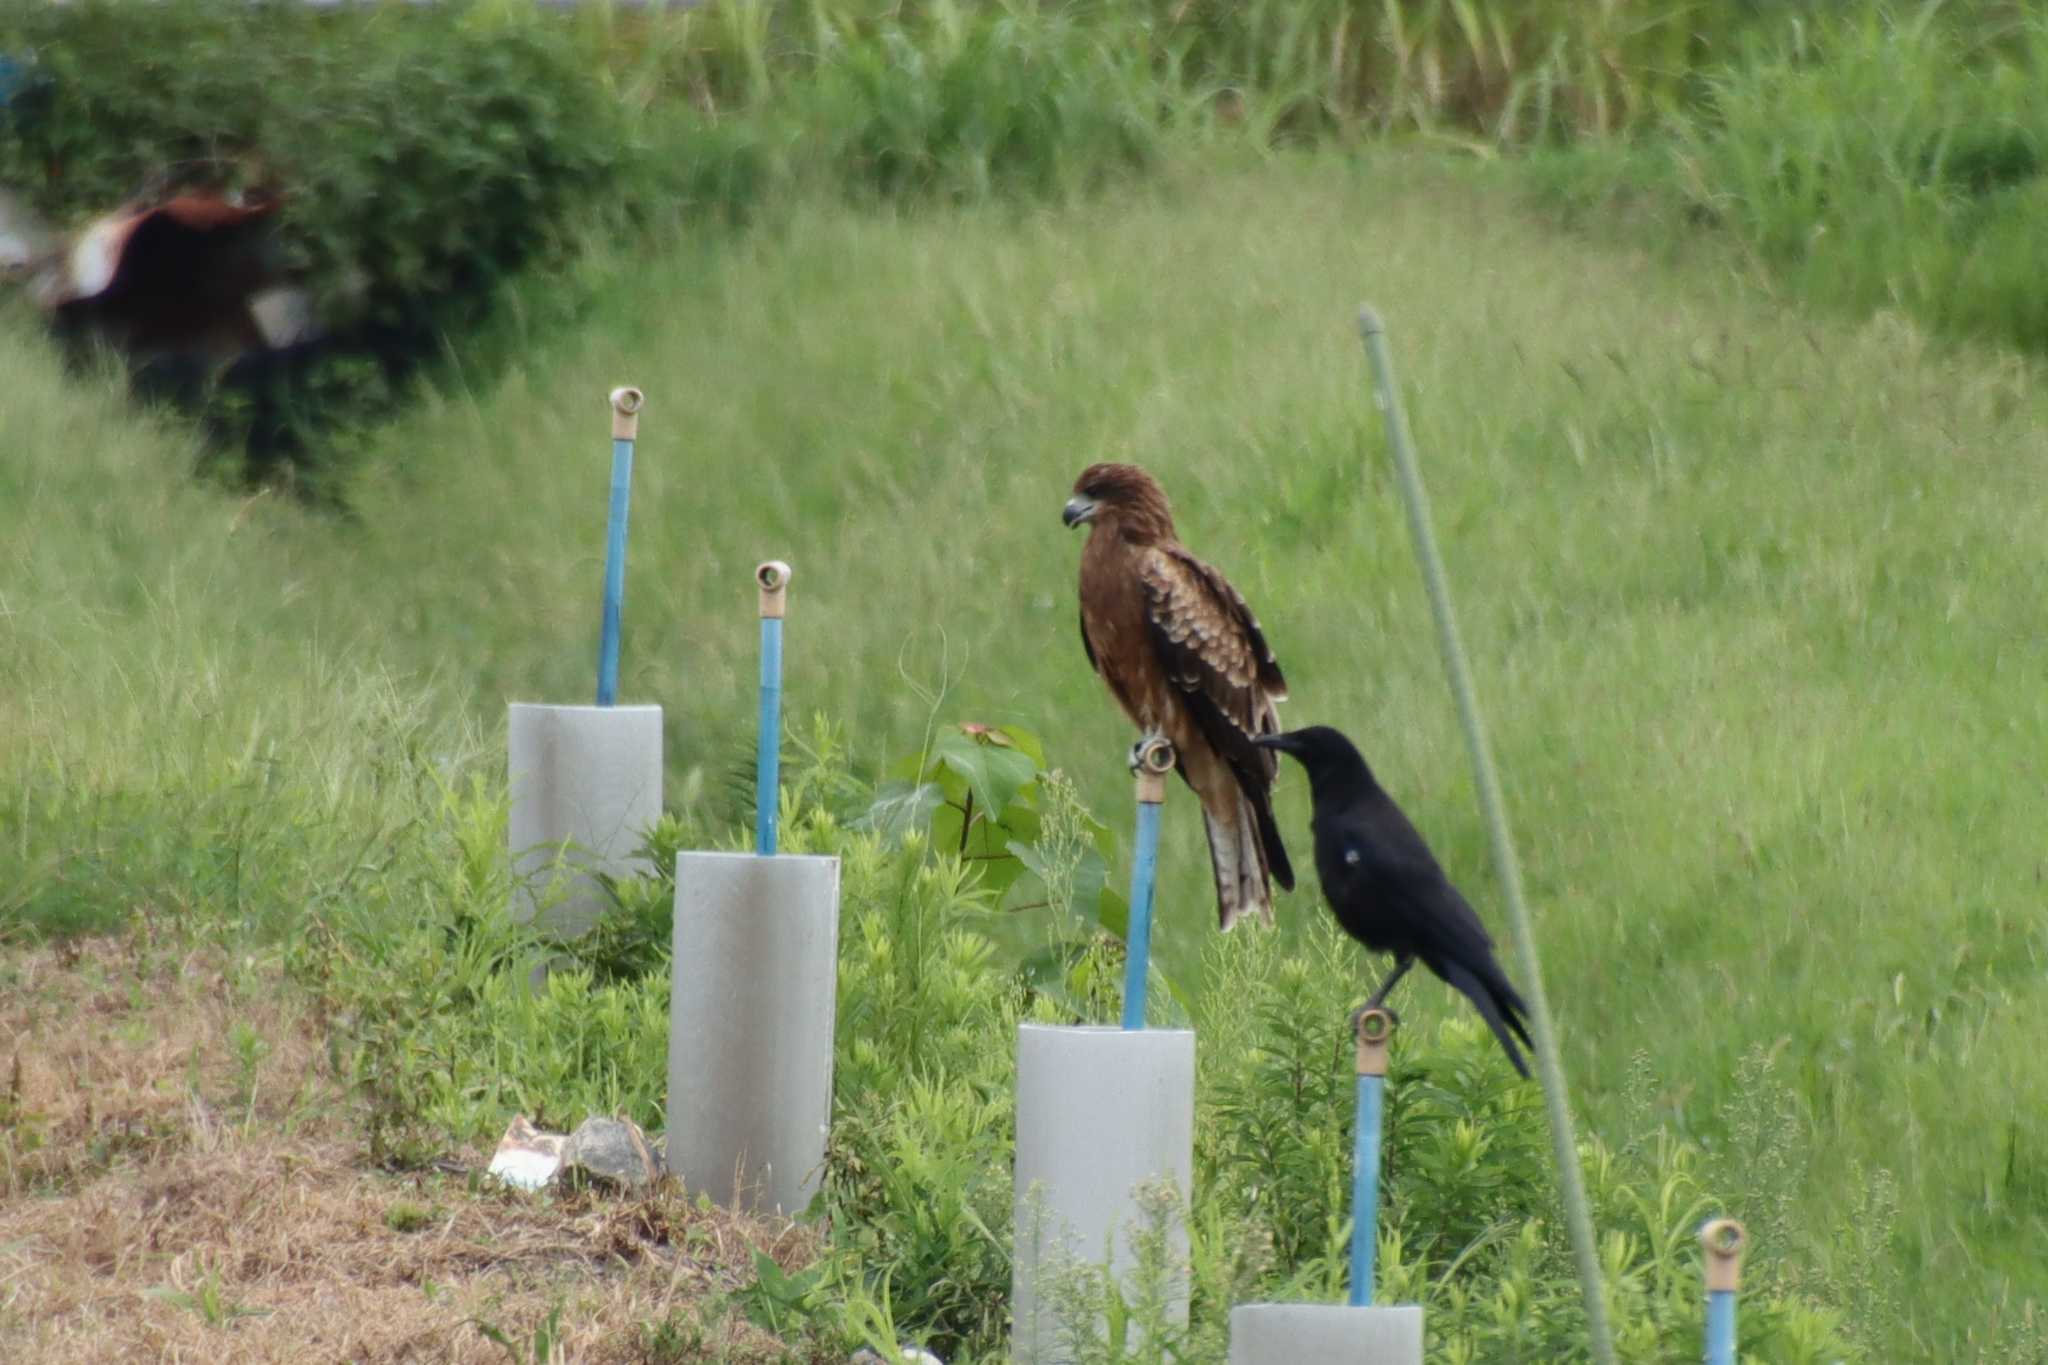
x,y
182,1179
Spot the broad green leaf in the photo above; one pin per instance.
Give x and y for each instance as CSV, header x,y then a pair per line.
x,y
1026,742
946,823
1113,912
899,808
1021,820
993,772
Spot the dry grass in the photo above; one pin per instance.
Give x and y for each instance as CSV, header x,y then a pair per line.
x,y
181,1179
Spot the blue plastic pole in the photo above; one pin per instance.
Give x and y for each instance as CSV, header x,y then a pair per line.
x,y
768,768
1138,957
1153,760
773,578
1373,1028
1721,1327
625,428
1723,1240
1365,1189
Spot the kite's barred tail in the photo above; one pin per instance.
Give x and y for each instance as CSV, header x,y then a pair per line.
x,y
1238,859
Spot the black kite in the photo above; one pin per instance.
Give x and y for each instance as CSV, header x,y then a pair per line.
x,y
1182,654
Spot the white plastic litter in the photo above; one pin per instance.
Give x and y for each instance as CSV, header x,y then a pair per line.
x,y
526,1157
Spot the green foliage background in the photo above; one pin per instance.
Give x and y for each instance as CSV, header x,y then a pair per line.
x,y
431,153
1742,511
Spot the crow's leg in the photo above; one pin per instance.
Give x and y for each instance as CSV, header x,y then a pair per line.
x,y
1401,967
1379,996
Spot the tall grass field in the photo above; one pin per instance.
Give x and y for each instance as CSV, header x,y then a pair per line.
x,y
1719,332
1754,598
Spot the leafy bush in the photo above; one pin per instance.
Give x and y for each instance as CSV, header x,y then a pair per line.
x,y
427,987
422,157
1881,159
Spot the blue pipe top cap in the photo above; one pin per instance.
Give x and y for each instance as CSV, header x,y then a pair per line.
x,y
626,403
1375,1030
1154,756
1724,1241
1369,323
772,576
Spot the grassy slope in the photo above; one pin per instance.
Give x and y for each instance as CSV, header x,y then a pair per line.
x,y
1753,599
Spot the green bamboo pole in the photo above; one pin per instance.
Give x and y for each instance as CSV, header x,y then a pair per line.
x,y
1578,1217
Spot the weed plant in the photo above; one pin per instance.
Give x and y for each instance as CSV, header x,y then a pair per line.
x,y
445,1039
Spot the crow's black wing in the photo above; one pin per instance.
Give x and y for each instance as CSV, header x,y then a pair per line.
x,y
1387,887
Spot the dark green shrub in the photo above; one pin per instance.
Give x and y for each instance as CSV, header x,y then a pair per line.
x,y
423,156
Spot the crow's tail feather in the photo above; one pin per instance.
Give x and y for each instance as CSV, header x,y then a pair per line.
x,y
1494,1000
1269,837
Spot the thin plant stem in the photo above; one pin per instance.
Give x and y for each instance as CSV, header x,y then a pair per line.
x,y
1578,1216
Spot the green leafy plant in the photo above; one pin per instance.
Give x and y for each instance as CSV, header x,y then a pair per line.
x,y
208,1300
985,795
403,1215
777,1300
543,1346
1103,1318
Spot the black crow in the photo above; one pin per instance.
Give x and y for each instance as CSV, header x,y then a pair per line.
x,y
1386,889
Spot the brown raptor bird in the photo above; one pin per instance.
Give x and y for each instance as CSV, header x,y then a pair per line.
x,y
1182,654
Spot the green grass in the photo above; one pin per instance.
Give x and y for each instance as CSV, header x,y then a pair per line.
x,y
1874,157
1753,600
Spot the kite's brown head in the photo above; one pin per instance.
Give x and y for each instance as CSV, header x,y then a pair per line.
x,y
1124,497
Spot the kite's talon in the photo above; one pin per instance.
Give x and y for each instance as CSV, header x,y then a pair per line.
x,y
1152,753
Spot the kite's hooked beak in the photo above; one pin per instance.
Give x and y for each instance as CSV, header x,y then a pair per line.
x,y
1078,510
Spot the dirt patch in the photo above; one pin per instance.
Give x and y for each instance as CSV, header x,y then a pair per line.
x,y
123,1050
182,1180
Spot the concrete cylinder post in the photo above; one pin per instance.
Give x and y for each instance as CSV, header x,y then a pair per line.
x,y
1724,1241
585,784
1325,1334
751,997
1356,1333
1103,1113
752,993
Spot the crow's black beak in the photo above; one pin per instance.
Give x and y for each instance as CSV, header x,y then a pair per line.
x,y
1077,510
1284,743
